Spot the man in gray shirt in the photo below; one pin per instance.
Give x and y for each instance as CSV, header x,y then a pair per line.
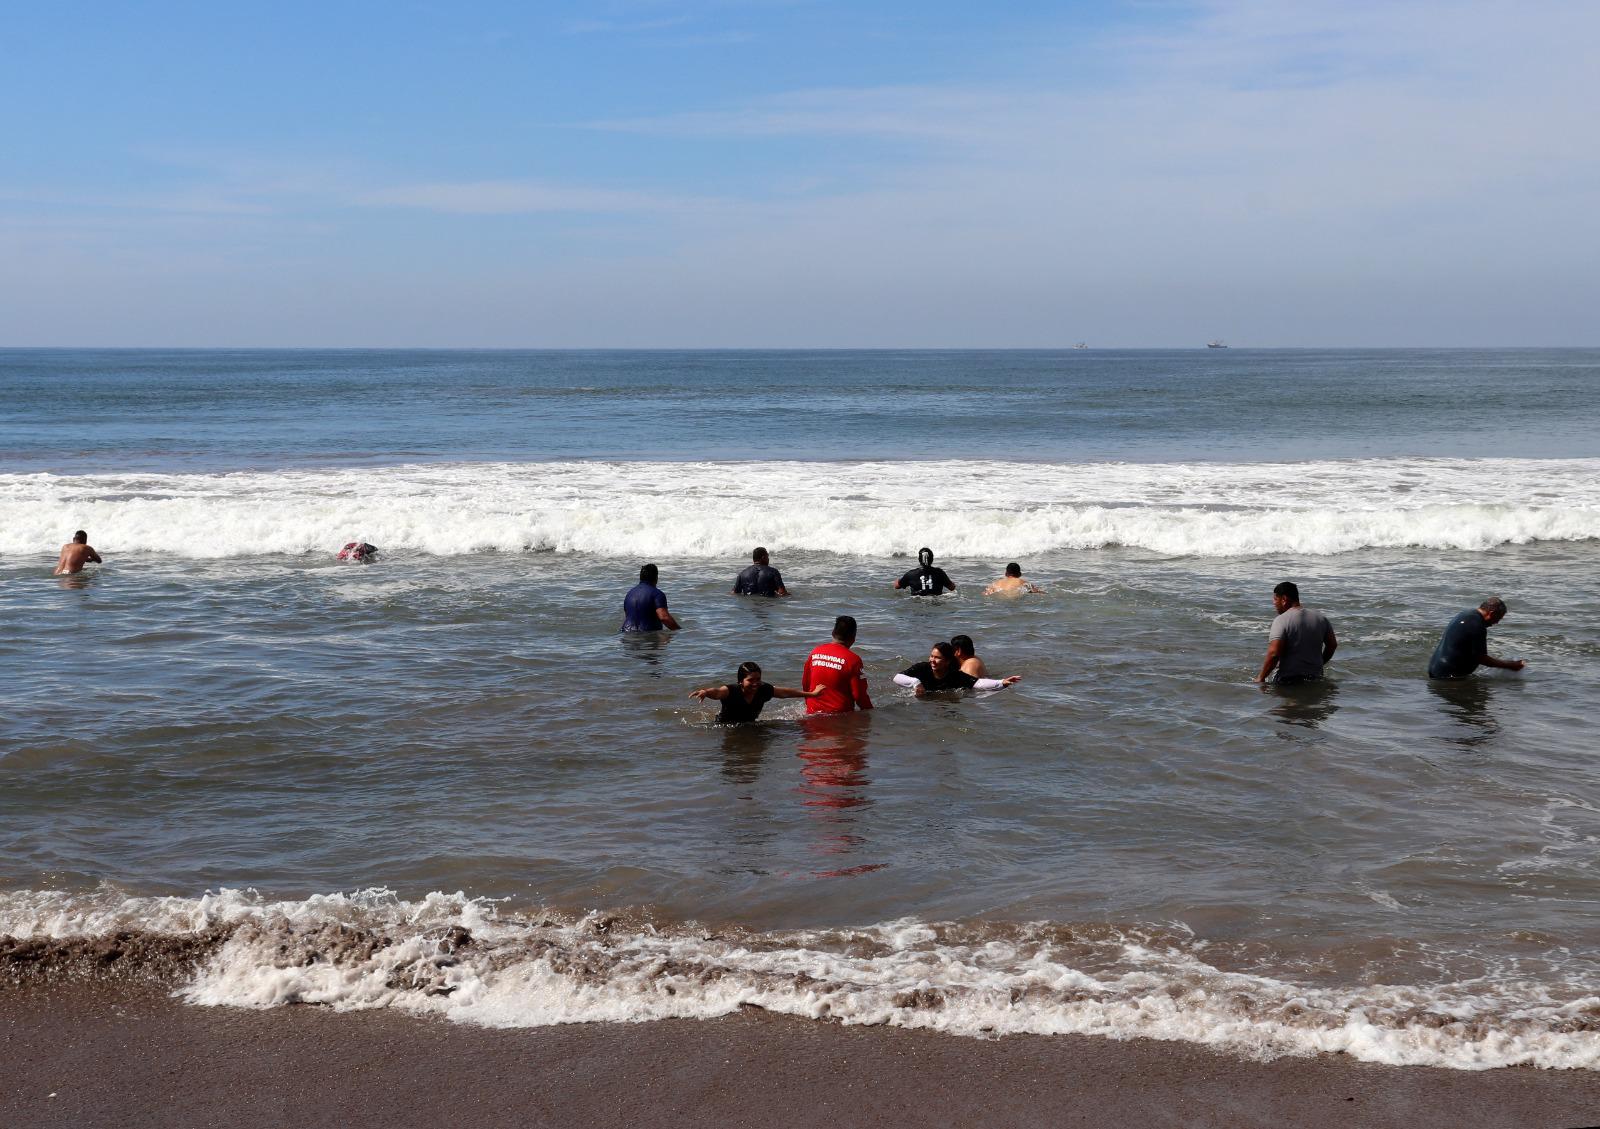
x,y
1301,642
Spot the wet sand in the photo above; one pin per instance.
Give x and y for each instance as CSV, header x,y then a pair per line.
x,y
92,1055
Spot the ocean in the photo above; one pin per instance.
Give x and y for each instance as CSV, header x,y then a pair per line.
x,y
444,783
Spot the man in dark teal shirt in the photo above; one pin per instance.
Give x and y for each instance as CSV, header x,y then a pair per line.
x,y
1465,644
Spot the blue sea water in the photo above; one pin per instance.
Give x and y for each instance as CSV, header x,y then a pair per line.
x,y
221,724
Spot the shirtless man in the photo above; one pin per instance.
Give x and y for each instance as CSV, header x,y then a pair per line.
x,y
967,656
75,554
1011,584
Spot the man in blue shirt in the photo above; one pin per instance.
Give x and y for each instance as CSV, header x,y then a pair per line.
x,y
644,608
1465,644
760,578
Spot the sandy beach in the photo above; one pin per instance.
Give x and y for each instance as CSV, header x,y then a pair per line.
x,y
81,1055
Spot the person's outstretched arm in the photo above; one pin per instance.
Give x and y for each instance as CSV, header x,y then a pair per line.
x,y
790,692
1502,664
715,693
906,680
995,683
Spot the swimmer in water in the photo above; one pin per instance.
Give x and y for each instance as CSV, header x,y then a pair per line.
x,y
1011,584
940,672
75,554
359,552
743,698
925,580
967,656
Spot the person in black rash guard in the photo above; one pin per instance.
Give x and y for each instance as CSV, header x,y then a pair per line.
x,y
1464,647
742,699
925,580
760,578
940,672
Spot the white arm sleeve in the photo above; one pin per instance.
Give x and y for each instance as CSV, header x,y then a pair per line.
x,y
988,684
907,681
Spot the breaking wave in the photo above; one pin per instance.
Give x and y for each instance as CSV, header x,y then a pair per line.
x,y
867,509
473,962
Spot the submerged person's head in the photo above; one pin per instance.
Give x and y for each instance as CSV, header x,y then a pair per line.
x,y
1014,569
962,645
759,555
80,538
925,557
749,678
1285,595
844,630
942,656
1493,609
648,574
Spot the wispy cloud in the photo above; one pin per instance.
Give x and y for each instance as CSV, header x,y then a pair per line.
x,y
625,27
521,197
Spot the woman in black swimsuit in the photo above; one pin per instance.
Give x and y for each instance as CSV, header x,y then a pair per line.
x,y
742,700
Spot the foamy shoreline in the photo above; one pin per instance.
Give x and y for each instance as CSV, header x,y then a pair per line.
x,y
116,1054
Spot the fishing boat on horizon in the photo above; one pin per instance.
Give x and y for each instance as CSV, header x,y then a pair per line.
x,y
1216,344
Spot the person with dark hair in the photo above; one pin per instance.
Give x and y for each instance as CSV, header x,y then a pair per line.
x,y
925,580
967,656
1464,647
1011,584
1301,640
75,554
836,670
759,578
743,698
941,672
644,608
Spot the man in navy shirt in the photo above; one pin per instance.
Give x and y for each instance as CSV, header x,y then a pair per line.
x,y
1465,644
760,579
644,608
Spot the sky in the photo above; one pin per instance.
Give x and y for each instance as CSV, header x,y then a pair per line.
x,y
799,173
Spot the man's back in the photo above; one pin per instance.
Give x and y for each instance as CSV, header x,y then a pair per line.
x,y
758,580
74,555
837,669
1462,646
1303,632
927,581
639,608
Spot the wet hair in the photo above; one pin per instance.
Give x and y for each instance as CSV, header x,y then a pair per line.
x,y
1494,605
844,629
746,669
1013,569
81,537
1289,591
963,643
925,557
946,650
759,556
648,574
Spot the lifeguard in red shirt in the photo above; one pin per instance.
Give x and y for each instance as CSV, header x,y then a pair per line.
x,y
837,670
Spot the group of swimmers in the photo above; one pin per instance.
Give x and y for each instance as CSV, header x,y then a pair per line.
x,y
1300,643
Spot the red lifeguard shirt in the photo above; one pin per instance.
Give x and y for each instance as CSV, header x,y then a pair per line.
x,y
837,669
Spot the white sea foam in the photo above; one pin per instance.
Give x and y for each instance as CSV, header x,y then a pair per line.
x,y
869,509
461,958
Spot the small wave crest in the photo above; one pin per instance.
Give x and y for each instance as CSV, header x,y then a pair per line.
x,y
867,509
472,961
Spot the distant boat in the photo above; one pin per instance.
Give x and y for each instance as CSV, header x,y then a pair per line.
x,y
1081,345
1216,344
